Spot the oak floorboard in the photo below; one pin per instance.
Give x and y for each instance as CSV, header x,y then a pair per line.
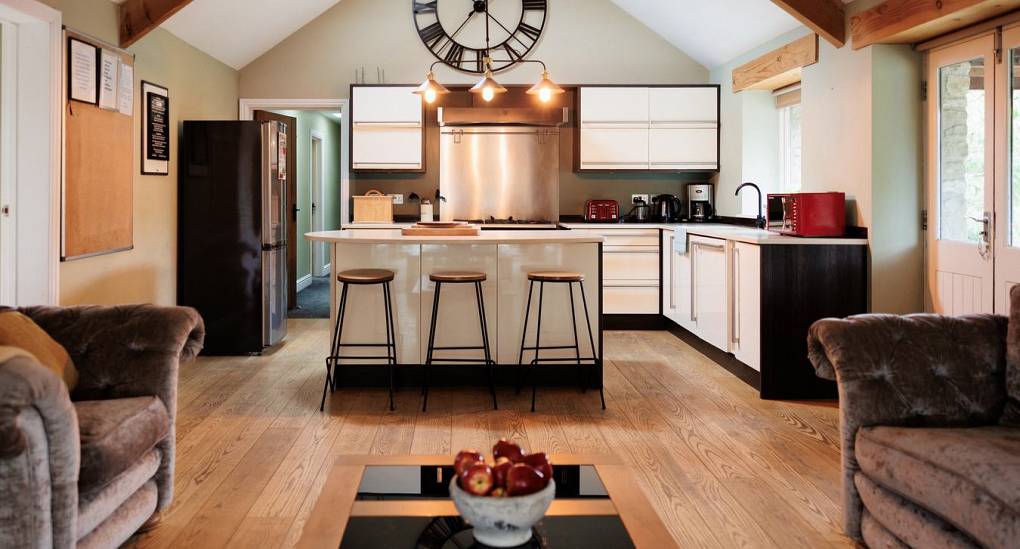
x,y
721,467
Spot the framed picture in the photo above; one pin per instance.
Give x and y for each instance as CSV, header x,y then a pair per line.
x,y
155,129
83,71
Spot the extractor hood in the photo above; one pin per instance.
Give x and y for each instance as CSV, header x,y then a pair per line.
x,y
501,116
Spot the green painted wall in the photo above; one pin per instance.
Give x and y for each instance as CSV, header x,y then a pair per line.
x,y
328,127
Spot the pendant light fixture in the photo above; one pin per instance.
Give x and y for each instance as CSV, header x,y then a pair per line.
x,y
430,89
545,88
487,86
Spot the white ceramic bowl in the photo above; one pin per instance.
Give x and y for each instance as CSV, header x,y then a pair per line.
x,y
505,521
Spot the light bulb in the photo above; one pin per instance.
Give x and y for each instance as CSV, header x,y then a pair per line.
x,y
488,94
544,95
430,95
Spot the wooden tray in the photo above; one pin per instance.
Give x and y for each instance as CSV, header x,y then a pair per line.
x,y
460,230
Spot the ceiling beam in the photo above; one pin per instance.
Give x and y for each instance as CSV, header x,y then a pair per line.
x,y
825,17
138,17
912,21
778,68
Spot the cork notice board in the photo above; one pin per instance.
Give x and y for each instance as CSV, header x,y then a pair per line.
x,y
98,183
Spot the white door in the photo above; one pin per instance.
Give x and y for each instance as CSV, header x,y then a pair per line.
x,y
961,107
1007,174
318,267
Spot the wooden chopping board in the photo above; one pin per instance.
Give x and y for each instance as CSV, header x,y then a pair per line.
x,y
461,230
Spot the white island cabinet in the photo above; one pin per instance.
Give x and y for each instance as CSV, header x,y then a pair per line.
x,y
506,257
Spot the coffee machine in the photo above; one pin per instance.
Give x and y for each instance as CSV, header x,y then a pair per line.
x,y
700,202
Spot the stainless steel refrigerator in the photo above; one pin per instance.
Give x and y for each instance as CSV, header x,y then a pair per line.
x,y
232,234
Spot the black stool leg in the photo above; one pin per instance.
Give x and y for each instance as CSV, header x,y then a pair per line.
x,y
479,296
391,340
538,344
591,339
332,360
524,334
432,344
577,346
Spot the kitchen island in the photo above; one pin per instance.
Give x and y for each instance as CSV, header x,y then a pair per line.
x,y
506,257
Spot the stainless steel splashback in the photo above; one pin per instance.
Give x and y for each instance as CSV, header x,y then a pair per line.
x,y
500,171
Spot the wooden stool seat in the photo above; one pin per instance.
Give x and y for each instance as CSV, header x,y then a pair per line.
x,y
555,276
455,277
365,276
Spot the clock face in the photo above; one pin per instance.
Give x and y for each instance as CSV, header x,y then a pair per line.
x,y
455,30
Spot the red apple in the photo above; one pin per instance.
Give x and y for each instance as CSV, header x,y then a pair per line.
x,y
539,461
477,479
466,458
507,449
524,479
499,472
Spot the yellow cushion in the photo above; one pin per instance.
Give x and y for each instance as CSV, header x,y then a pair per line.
x,y
17,330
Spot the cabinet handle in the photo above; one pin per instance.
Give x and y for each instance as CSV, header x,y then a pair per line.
x,y
672,270
694,281
716,247
736,295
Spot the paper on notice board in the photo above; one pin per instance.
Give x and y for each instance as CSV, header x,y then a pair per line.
x,y
109,69
126,95
83,71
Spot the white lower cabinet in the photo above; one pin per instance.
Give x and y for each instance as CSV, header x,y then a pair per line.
x,y
630,270
677,297
745,292
710,309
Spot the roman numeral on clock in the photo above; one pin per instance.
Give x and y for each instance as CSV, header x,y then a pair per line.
x,y
454,54
430,6
533,4
529,31
432,34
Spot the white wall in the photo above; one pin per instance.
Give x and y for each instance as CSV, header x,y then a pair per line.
x,y
585,41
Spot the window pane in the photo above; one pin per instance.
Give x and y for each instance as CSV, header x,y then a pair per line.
x,y
961,150
1014,147
793,183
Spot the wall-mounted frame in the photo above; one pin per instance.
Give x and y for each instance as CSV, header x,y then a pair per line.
x,y
155,129
82,71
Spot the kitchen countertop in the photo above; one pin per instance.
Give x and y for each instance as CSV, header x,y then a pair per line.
x,y
393,236
738,233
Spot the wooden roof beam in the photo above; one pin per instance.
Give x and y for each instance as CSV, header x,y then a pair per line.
x,y
778,68
912,21
824,17
139,17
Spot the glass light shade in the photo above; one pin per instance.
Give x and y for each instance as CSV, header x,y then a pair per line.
x,y
430,89
545,88
488,87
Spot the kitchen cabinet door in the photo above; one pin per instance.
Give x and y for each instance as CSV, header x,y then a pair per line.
x,y
606,148
745,338
711,290
685,104
614,105
386,148
386,105
683,148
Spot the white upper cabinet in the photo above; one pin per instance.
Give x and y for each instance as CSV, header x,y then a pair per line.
x,y
614,148
386,129
385,105
699,105
614,106
683,148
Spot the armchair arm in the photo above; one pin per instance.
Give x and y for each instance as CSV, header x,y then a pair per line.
x,y
924,370
39,457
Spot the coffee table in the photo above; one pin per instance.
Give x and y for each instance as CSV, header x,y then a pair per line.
x,y
403,501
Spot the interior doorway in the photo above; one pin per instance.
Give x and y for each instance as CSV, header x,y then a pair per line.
x,y
319,263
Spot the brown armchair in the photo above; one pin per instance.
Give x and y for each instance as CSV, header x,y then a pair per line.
x,y
928,460
88,469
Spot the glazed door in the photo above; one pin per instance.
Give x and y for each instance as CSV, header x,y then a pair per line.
x,y
1007,177
960,187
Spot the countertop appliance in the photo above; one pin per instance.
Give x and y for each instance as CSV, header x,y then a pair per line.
x,y
807,214
602,211
232,237
640,213
700,202
500,163
667,208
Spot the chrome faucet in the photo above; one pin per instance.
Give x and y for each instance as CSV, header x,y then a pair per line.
x,y
760,220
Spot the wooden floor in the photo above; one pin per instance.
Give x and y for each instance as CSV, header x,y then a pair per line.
x,y
724,468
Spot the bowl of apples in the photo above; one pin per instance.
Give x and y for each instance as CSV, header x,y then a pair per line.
x,y
503,499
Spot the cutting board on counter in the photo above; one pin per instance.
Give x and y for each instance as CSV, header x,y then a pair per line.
x,y
439,229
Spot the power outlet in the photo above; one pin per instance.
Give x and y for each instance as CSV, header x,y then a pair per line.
x,y
398,199
635,198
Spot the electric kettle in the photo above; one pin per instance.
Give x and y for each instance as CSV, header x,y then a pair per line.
x,y
666,208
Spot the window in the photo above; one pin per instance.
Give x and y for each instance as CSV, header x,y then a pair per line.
x,y
788,107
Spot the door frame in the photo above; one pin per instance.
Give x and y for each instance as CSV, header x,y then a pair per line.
x,y
247,107
319,263
31,274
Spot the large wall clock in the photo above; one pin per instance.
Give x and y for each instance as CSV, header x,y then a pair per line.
x,y
455,30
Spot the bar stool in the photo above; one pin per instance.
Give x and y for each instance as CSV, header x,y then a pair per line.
x,y
556,277
361,277
458,277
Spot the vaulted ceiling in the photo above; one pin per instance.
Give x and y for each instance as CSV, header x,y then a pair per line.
x,y
710,31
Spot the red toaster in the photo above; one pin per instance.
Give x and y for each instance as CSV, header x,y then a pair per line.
x,y
602,210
